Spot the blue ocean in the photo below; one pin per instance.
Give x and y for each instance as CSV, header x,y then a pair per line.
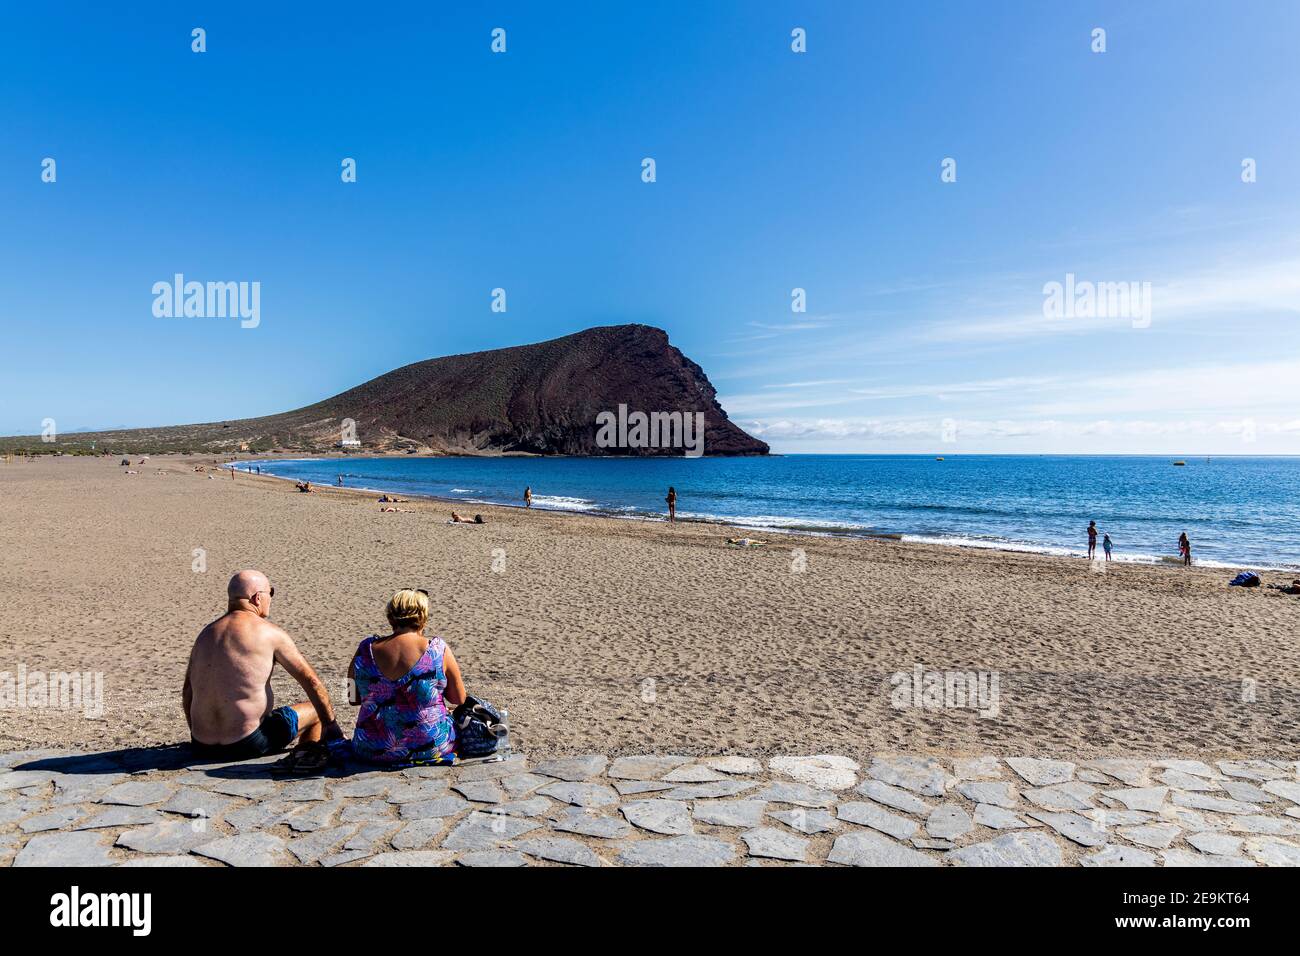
x,y
1238,511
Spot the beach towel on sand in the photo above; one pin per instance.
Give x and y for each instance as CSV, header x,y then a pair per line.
x,y
1246,579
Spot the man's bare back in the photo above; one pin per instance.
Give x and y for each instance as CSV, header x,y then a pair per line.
x,y
230,674
227,696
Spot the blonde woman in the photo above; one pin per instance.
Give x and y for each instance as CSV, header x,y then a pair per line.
x,y
403,684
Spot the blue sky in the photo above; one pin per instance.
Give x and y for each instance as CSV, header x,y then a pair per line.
x,y
924,330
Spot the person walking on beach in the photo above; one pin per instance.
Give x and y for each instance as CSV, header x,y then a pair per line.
x,y
672,503
1105,545
227,695
528,497
340,481
1185,548
1092,539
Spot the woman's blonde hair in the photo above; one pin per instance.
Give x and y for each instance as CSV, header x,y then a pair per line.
x,y
408,609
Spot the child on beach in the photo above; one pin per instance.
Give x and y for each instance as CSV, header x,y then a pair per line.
x,y
1185,548
528,497
1105,545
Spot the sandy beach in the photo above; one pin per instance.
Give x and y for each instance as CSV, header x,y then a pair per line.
x,y
627,637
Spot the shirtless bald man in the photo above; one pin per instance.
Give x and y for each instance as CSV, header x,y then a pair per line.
x,y
227,696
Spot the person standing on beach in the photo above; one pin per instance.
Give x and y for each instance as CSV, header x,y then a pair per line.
x,y
1105,545
672,503
528,497
1092,539
1185,548
227,696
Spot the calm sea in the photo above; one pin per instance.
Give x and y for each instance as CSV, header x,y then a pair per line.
x,y
1237,511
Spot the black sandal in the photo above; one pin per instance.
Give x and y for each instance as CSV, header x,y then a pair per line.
x,y
305,760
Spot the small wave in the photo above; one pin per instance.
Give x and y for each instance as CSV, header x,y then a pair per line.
x,y
563,503
464,491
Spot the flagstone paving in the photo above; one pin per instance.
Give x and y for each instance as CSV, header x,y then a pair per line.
x,y
157,808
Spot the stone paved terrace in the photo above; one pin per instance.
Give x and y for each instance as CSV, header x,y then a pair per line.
x,y
145,808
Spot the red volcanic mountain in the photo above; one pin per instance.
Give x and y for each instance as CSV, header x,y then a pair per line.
x,y
541,399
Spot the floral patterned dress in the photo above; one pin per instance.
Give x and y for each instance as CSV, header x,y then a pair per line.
x,y
403,721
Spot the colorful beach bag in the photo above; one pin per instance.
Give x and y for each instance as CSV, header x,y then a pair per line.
x,y
479,728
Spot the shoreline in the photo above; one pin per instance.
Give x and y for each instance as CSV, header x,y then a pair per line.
x,y
834,532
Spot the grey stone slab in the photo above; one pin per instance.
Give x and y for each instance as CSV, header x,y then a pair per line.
x,y
1140,798
1287,789
15,809
573,769
60,818
64,849
1032,848
977,768
1158,836
771,843
868,848
521,784
922,775
417,792
1216,844
481,791
311,848
161,861
558,850
734,765
193,802
581,794
343,857
1186,781
821,771
1074,795
367,811
1184,858
363,788
418,834
710,791
929,843
892,796
259,815
878,818
1115,855
806,821
687,850
996,793
632,787
308,816
1202,801
1106,817
1093,776
998,818
411,858
645,767
112,817
246,849
447,806
585,823
22,779
798,794
532,807
371,836
693,773
1258,770
171,836
948,822
483,831
1246,792
730,813
659,816
84,789
1266,826
304,790
1194,768
137,793
1042,773
492,769
247,789
505,858
1274,852
1073,827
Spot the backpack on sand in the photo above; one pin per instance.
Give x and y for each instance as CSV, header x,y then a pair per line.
x,y
478,728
